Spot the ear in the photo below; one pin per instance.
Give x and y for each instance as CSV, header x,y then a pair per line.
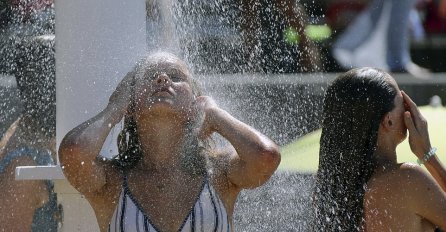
x,y
387,122
194,110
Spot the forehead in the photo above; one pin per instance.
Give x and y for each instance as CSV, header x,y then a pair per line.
x,y
170,65
398,97
160,63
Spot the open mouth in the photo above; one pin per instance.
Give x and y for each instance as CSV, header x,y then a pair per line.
x,y
162,92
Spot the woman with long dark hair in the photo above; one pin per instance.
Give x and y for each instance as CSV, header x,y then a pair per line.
x,y
359,184
166,177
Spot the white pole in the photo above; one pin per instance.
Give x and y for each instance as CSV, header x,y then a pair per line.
x,y
97,43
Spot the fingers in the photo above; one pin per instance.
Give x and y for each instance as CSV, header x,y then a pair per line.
x,y
206,101
412,107
409,122
127,80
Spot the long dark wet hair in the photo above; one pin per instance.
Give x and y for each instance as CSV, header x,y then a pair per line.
x,y
129,147
355,104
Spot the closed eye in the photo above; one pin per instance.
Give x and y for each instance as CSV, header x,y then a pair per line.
x,y
176,78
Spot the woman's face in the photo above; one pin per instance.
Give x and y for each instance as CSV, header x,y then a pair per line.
x,y
164,88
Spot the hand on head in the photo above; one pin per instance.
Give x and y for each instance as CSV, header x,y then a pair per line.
x,y
120,98
417,125
206,105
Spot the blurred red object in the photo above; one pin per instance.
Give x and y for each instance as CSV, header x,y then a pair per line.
x,y
434,23
341,13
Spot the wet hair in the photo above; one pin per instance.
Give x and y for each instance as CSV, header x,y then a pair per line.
x,y
129,147
354,105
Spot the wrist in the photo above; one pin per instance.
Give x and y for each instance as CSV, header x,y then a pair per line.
x,y
427,156
115,112
215,115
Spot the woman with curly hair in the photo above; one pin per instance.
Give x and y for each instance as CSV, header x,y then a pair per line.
x,y
359,184
166,176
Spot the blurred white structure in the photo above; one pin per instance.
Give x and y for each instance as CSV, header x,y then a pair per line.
x,y
97,43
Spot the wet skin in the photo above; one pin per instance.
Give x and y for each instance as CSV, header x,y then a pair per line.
x,y
165,105
403,197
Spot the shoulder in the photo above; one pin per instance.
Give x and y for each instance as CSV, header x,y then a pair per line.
x,y
413,174
416,183
404,177
399,178
218,162
218,166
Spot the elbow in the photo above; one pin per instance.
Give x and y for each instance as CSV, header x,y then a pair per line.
x,y
71,154
66,150
269,162
270,157
68,159
258,169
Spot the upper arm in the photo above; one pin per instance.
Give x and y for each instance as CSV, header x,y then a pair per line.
x,y
85,171
426,197
252,173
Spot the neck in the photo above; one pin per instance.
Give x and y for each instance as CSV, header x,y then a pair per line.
x,y
385,153
162,140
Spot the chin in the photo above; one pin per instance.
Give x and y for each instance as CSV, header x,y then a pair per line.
x,y
161,109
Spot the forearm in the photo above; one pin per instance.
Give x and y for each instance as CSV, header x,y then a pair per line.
x,y
90,135
79,150
248,142
437,170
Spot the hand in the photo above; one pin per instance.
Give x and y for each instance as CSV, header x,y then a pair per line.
x,y
120,98
208,108
417,125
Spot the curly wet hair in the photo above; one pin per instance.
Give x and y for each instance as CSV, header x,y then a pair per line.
x,y
129,147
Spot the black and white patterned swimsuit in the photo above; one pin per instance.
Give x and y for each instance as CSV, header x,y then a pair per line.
x,y
208,214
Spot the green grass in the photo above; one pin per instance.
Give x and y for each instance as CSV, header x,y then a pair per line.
x,y
302,155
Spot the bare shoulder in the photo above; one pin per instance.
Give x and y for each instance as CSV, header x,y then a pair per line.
x,y
218,163
413,174
218,173
397,178
416,183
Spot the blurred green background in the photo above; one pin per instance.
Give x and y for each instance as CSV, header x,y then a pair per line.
x,y
302,155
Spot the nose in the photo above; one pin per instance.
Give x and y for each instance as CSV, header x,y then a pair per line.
x,y
162,79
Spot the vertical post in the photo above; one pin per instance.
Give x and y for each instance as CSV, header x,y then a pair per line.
x,y
97,43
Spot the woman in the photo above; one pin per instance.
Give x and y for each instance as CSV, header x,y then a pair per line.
x,y
359,185
31,205
165,177
25,205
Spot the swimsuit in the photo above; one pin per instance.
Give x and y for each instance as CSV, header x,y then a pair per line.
x,y
208,214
